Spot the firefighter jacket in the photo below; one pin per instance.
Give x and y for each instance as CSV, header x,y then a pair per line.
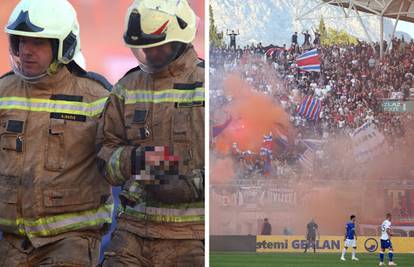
x,y
164,109
49,181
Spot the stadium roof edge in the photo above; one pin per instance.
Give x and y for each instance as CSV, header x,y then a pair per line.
x,y
402,9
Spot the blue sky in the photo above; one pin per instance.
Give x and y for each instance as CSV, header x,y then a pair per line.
x,y
407,27
273,21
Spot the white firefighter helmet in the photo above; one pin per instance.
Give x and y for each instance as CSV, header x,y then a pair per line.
x,y
51,19
151,23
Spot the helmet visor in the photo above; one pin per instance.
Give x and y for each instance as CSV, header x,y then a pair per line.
x,y
156,58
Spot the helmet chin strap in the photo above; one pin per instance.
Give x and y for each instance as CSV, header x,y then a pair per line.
x,y
30,79
53,68
151,70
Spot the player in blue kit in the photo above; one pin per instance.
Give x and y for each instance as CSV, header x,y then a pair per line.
x,y
386,241
350,238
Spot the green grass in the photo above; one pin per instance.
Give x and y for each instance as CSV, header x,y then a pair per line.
x,y
251,259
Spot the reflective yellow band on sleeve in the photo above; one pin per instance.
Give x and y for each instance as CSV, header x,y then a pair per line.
x,y
166,214
53,225
114,166
165,96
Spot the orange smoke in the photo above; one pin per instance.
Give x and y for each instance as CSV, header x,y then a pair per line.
x,y
253,115
222,170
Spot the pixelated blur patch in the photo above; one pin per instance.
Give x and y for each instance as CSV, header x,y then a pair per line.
x,y
160,166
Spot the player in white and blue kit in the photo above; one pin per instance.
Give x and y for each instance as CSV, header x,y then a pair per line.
x,y
386,241
350,238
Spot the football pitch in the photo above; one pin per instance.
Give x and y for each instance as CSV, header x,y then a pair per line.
x,y
251,259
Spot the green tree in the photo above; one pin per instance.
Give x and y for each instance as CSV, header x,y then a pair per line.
x,y
322,30
334,37
214,35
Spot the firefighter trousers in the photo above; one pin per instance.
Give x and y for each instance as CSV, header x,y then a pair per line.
x,y
129,250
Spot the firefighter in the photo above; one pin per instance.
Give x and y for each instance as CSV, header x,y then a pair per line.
x,y
54,203
153,141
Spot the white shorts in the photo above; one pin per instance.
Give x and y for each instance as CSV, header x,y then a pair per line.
x,y
350,243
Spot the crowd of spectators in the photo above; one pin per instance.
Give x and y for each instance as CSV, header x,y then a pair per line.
x,y
352,85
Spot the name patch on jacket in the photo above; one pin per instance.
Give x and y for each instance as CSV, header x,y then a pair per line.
x,y
190,104
187,86
67,116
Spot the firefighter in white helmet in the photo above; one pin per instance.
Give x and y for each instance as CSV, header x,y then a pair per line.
x,y
153,141
54,203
